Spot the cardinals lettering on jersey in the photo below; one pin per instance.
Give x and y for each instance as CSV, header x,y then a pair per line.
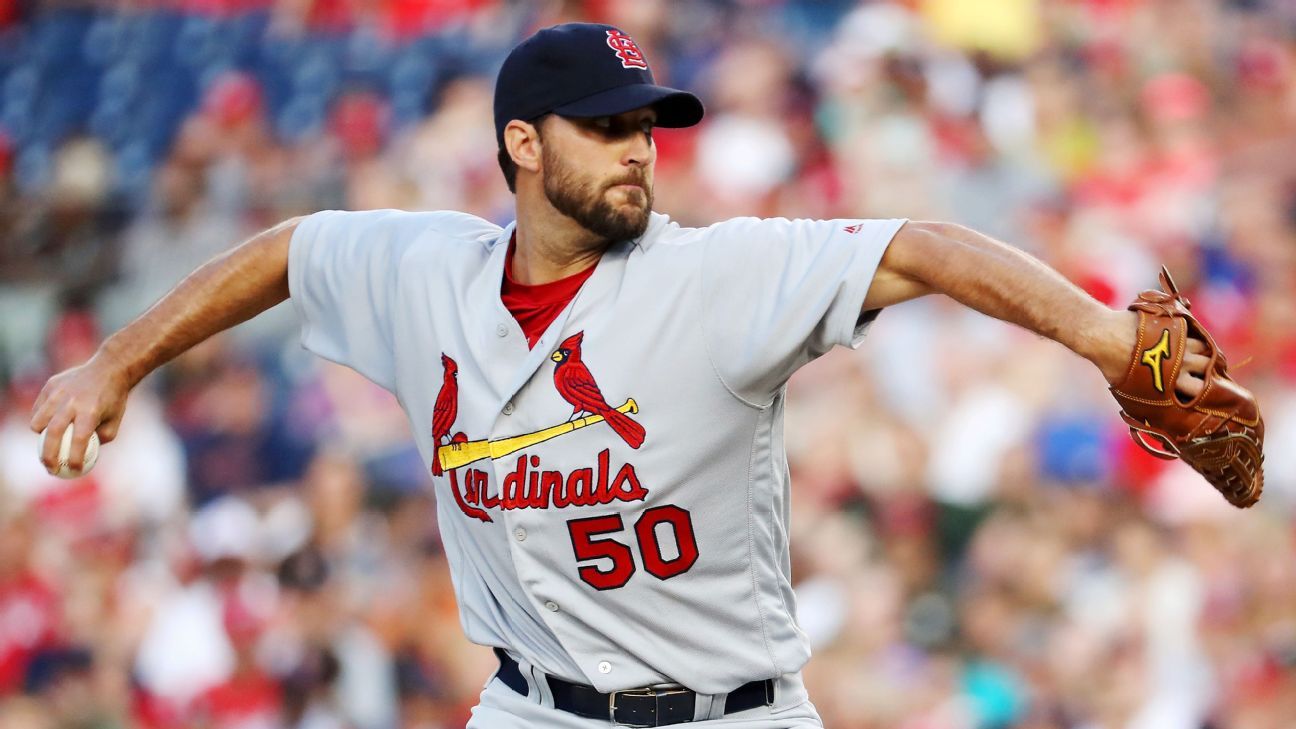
x,y
527,486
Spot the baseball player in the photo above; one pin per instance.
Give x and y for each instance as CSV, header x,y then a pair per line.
x,y
598,391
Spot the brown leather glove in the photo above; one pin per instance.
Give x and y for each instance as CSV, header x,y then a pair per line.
x,y
1219,432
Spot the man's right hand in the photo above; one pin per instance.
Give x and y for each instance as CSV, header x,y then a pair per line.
x,y
91,397
229,289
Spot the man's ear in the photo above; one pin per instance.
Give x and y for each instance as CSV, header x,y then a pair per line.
x,y
522,140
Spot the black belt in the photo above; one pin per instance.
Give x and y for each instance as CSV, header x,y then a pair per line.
x,y
635,707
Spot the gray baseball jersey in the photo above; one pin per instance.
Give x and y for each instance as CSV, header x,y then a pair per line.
x,y
613,501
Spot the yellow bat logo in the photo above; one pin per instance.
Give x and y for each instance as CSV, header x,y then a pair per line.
x,y
458,455
1152,358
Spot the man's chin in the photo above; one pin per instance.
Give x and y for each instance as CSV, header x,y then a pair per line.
x,y
636,222
630,213
633,214
623,225
612,217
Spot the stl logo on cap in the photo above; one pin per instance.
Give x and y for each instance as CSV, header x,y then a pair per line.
x,y
626,49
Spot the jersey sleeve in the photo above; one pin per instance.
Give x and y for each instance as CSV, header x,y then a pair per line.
x,y
778,293
342,269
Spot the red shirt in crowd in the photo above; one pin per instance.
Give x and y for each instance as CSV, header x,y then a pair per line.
x,y
29,616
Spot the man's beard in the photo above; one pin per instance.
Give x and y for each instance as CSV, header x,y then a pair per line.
x,y
578,200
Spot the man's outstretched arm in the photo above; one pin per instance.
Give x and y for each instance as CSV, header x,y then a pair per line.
x,y
228,290
1009,284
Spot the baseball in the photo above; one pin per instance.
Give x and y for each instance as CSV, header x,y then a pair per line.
x,y
65,450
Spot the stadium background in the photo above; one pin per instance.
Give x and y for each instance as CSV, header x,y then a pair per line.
x,y
977,544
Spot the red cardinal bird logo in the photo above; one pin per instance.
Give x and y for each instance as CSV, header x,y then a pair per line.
x,y
446,410
577,386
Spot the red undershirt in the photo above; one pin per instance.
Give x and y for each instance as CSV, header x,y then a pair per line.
x,y
535,307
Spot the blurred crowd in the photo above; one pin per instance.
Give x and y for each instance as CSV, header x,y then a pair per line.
x,y
977,543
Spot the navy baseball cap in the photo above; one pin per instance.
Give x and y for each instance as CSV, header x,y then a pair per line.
x,y
584,70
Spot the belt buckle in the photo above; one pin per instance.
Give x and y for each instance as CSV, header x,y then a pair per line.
x,y
643,692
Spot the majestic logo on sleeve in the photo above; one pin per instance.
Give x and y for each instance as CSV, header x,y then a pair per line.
x,y
528,486
626,49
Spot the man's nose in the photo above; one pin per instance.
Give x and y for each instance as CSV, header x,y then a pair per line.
x,y
639,150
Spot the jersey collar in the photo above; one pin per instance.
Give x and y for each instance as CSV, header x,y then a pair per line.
x,y
515,363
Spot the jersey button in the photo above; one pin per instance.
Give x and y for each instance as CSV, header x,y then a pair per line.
x,y
605,667
551,606
520,534
501,330
508,408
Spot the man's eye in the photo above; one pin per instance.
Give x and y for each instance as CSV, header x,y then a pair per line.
x,y
603,122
